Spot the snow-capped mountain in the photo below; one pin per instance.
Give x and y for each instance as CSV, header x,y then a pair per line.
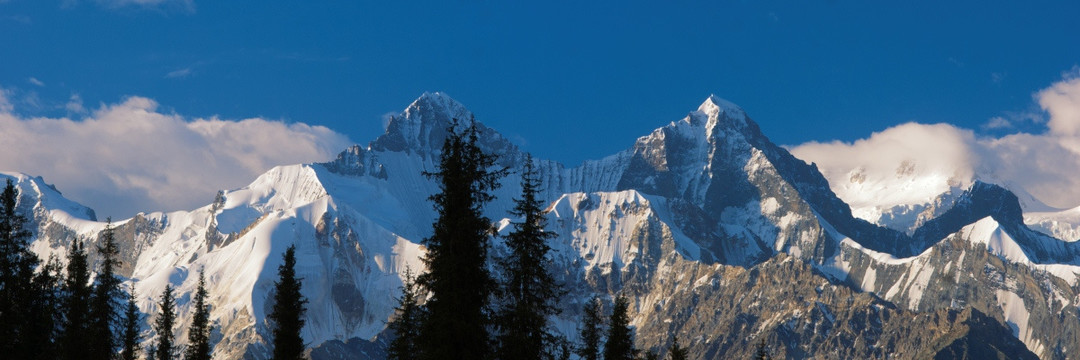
x,y
716,234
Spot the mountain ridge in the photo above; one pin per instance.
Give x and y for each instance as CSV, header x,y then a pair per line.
x,y
709,189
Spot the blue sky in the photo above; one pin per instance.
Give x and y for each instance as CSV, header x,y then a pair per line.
x,y
550,75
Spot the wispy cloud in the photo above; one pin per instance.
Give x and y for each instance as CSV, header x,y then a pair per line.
x,y
997,77
1042,164
35,81
75,105
179,5
129,156
179,73
997,122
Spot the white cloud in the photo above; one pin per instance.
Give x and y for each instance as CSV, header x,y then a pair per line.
x,y
75,105
1062,102
182,5
186,5
905,164
5,101
129,157
998,122
1043,165
35,81
179,73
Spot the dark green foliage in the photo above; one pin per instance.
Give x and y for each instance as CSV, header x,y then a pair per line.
x,y
591,325
199,330
41,330
19,295
406,326
651,355
620,338
529,291
129,338
564,350
105,299
77,292
676,351
762,353
287,315
163,326
458,280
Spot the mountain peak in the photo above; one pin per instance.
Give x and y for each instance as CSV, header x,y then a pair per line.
x,y
714,104
715,110
423,124
438,102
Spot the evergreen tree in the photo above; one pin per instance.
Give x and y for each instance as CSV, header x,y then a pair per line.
x,y
199,330
130,336
564,350
651,355
76,335
104,302
163,326
620,339
17,291
590,331
762,353
287,315
406,326
458,280
676,351
41,329
530,290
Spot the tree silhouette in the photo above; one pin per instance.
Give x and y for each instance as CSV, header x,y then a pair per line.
x,y
129,338
591,327
287,316
457,277
199,330
77,292
163,326
529,289
676,351
620,339
104,302
406,325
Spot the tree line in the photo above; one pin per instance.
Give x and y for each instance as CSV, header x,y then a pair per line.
x,y
55,312
470,313
52,311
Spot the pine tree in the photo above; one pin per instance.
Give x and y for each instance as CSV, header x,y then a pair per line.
x,y
287,315
103,304
199,330
18,295
676,351
406,326
590,331
76,335
620,339
530,290
163,326
458,280
46,312
129,338
762,353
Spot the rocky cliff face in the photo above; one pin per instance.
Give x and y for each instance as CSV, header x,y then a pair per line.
x,y
715,233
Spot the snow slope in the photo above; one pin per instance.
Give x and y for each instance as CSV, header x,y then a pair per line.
x,y
708,188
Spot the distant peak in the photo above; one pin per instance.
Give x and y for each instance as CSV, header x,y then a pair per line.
x,y
425,123
437,98
438,106
715,104
716,111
